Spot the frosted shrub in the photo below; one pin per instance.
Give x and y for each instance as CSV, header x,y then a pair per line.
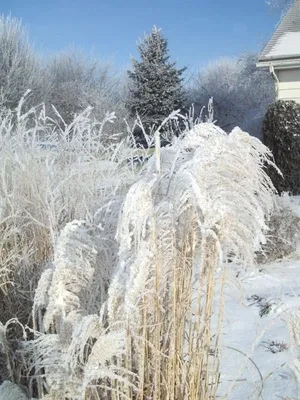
x,y
135,317
281,134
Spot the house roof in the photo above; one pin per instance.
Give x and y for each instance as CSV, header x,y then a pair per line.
x,y
285,43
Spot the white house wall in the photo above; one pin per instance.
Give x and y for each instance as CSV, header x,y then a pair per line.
x,y
289,84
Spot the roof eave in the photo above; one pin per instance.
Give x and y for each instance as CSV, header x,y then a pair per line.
x,y
279,62
289,24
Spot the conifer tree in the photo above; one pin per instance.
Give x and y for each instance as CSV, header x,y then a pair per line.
x,y
156,84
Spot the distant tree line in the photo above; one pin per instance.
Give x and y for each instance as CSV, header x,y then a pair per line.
x,y
71,81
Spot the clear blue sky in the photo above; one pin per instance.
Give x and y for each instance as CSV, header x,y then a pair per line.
x,y
198,31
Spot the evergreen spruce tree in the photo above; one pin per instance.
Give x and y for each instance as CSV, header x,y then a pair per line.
x,y
156,84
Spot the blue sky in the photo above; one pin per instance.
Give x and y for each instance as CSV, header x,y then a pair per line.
x,y
198,31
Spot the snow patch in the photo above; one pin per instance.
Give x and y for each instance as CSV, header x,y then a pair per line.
x,y
258,355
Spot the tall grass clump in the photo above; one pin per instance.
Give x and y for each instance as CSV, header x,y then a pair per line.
x,y
131,304
50,175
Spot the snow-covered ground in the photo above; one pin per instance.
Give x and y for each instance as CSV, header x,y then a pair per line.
x,y
258,351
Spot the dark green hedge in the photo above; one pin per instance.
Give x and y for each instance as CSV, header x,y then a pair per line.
x,y
281,133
